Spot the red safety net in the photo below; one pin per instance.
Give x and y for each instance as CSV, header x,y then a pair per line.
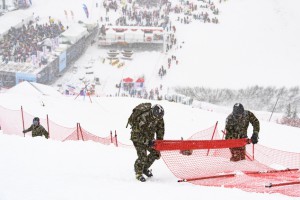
x,y
15,121
81,134
56,131
11,121
203,159
208,163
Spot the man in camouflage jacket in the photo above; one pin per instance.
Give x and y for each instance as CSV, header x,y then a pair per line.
x,y
143,133
236,127
37,129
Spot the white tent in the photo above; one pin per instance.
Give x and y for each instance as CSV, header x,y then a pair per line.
x,y
110,34
74,33
132,36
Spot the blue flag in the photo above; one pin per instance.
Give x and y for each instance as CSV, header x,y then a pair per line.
x,y
85,10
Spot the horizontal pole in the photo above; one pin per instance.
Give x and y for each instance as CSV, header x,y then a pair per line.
x,y
206,177
281,184
269,171
168,145
232,175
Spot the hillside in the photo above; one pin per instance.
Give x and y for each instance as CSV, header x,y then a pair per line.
x,y
255,43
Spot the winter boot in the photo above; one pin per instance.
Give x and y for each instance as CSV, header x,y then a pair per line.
x,y
243,154
238,154
234,155
234,159
140,177
148,172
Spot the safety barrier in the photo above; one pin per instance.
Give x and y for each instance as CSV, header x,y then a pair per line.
x,y
267,171
264,170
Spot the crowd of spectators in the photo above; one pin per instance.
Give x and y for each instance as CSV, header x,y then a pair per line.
x,y
157,13
19,44
141,13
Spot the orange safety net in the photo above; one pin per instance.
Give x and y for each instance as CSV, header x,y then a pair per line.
x,y
265,170
203,159
13,122
81,134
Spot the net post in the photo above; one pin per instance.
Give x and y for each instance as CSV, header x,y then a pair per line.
x,y
77,131
116,138
80,132
22,113
111,137
48,125
212,137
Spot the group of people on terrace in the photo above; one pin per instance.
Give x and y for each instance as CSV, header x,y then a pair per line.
x,y
19,44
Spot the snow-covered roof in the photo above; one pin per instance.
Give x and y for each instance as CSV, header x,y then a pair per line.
x,y
33,89
15,18
75,32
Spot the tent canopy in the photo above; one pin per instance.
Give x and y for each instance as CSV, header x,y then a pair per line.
x,y
140,80
75,33
128,80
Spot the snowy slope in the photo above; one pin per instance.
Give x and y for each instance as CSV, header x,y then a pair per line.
x,y
35,168
253,39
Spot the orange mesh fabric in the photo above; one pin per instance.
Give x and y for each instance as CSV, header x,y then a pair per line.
x,y
267,170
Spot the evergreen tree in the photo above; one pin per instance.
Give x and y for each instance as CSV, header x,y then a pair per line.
x,y
295,114
288,112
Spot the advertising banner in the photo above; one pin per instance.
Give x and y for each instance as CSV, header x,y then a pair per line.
x,y
25,77
62,61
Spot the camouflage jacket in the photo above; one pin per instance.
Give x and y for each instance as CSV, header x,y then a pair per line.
x,y
146,127
237,127
37,131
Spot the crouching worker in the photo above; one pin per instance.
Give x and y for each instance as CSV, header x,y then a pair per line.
x,y
236,128
37,129
146,121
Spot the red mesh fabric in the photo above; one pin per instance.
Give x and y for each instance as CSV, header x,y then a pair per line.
x,y
120,144
14,122
117,143
73,136
11,121
81,134
212,166
270,157
88,136
56,131
278,170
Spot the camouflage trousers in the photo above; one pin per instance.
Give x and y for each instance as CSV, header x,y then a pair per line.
x,y
238,153
144,160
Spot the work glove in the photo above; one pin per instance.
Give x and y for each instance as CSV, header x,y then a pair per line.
x,y
254,138
24,131
151,143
